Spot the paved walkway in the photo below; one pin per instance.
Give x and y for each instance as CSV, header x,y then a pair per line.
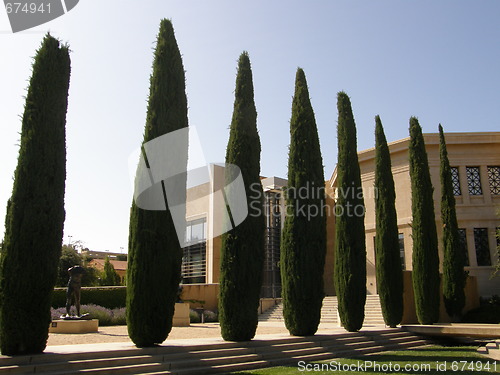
x,y
117,336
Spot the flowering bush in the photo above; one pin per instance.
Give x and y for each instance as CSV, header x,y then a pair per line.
x,y
119,317
210,316
106,317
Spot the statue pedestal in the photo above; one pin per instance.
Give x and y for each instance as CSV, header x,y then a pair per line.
x,y
181,315
74,326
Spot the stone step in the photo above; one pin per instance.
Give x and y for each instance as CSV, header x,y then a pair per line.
x,y
98,363
233,367
491,349
373,311
216,357
128,369
212,361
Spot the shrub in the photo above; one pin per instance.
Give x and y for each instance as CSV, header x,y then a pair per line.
x,y
210,316
194,317
425,258
494,300
155,255
109,297
242,249
387,259
454,257
350,247
56,313
119,317
489,313
106,317
35,211
303,239
109,275
103,314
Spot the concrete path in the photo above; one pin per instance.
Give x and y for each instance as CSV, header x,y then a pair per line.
x,y
117,336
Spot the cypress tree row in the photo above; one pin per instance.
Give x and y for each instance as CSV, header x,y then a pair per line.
x,y
454,276
350,248
242,251
303,242
155,255
35,212
425,247
388,262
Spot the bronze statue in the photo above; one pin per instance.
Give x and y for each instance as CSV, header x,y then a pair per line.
x,y
74,286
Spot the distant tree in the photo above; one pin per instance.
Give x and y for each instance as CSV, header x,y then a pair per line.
x,y
454,276
109,276
350,248
388,262
303,241
425,245
155,255
69,258
35,212
242,251
91,277
122,257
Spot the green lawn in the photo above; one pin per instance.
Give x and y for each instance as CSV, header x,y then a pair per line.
x,y
461,360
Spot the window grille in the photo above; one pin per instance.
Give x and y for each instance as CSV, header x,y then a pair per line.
x,y
462,234
401,238
494,179
455,181
474,181
482,247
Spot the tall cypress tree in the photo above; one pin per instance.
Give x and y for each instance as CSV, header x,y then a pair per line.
x,y
388,261
242,251
154,262
303,243
425,246
35,212
454,276
350,248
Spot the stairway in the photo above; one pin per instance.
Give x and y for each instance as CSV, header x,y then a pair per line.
x,y
214,357
491,349
373,312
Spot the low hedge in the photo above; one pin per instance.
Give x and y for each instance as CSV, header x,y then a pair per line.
x,y
484,314
111,297
487,312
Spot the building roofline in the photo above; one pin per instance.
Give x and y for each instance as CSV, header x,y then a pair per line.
x,y
430,139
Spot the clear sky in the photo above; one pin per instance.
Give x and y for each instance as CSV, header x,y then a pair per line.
x,y
438,60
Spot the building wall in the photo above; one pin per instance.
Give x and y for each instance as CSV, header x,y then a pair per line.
x,y
464,149
202,202
328,281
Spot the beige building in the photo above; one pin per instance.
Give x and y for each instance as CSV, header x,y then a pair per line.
x,y
475,162
120,267
475,158
101,254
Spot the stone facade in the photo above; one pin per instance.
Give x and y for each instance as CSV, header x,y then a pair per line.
x,y
476,158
